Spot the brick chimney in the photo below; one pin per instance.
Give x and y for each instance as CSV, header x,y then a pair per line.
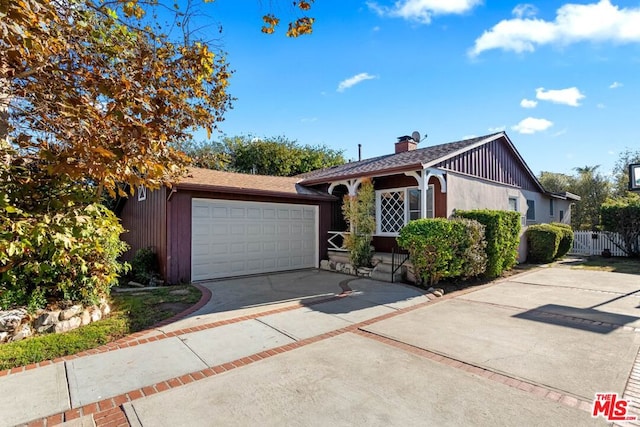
x,y
405,143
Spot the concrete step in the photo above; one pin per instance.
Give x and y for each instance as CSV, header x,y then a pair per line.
x,y
386,276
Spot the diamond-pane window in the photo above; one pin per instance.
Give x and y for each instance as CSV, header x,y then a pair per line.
x,y
392,211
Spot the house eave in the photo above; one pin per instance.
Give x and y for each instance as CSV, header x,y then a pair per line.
x,y
253,192
378,173
564,196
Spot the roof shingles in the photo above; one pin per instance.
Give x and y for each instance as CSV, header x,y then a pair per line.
x,y
213,180
390,162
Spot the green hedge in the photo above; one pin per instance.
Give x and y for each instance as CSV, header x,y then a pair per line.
x,y
566,240
441,248
623,217
502,233
543,241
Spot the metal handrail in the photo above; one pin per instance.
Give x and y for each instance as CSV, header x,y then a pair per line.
x,y
393,263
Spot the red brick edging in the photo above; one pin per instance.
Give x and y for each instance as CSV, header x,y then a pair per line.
x,y
110,413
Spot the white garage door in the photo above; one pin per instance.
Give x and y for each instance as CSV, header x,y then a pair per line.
x,y
232,238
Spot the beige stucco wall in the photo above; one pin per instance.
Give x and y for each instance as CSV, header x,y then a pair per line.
x,y
465,193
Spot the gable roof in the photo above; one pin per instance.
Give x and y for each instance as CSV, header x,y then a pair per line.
x,y
389,163
232,182
442,156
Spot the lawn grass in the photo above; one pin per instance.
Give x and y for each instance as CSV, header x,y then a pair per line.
x,y
131,312
615,264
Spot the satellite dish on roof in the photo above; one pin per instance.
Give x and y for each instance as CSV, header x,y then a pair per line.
x,y
415,136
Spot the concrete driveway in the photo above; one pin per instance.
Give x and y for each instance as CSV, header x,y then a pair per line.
x,y
530,350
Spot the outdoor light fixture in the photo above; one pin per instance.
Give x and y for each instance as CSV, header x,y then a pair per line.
x,y
634,177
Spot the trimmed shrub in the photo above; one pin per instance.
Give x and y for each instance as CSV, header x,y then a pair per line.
x,y
440,248
432,244
566,241
473,250
502,234
543,242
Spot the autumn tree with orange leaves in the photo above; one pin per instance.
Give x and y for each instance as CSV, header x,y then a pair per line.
x,y
94,98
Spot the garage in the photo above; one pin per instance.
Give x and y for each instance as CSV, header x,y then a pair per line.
x,y
233,238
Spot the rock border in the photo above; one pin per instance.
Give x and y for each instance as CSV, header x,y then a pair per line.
x,y
18,324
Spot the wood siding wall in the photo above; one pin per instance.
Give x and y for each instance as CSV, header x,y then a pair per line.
x,y
146,224
494,161
179,226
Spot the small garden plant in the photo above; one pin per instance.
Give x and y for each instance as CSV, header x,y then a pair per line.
x,y
359,212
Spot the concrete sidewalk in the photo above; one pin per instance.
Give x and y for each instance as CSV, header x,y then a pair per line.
x,y
108,379
520,351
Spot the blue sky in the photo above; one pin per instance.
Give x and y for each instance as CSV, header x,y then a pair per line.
x,y
561,78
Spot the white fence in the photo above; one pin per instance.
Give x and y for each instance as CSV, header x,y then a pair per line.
x,y
593,243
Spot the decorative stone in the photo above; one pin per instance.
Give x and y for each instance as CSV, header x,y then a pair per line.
x,y
339,266
67,325
70,312
96,314
180,292
4,336
364,271
104,307
47,318
10,320
46,329
85,318
437,293
135,284
325,264
23,331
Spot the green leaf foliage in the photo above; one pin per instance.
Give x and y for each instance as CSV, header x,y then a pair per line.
x,y
359,213
566,240
440,248
622,216
502,233
54,244
543,241
277,156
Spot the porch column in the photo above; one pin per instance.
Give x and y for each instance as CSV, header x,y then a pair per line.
x,y
351,184
438,174
423,184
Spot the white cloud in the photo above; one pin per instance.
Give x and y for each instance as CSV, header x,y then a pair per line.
x,y
560,132
376,29
601,106
308,119
352,81
570,96
423,10
528,103
598,22
615,85
524,10
532,125
497,129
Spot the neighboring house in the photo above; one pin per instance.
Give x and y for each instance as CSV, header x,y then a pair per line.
x,y
218,224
